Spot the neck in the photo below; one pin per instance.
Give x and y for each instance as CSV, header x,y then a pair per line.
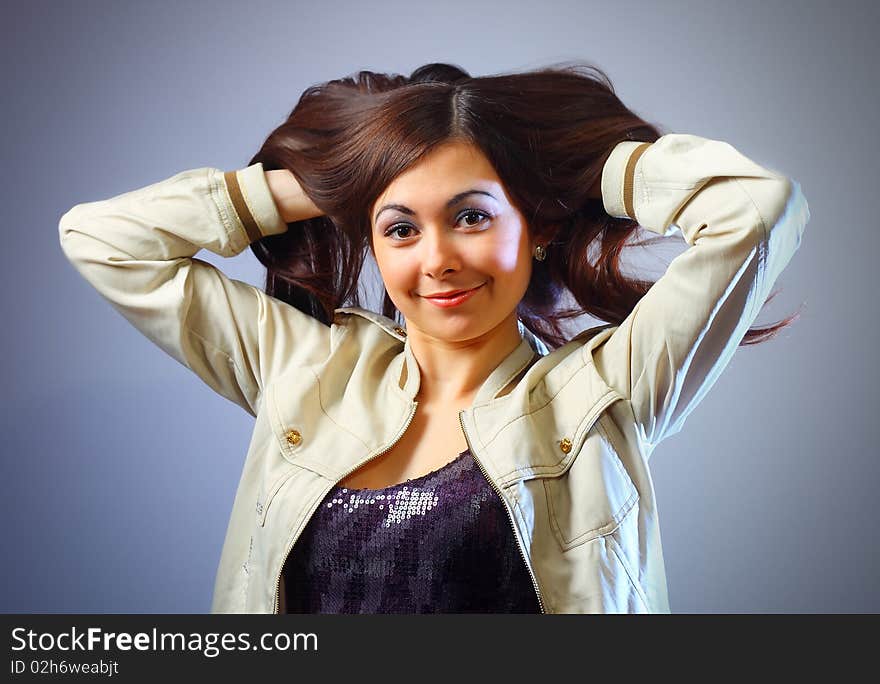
x,y
453,371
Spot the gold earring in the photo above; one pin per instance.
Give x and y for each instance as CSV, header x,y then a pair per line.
x,y
540,253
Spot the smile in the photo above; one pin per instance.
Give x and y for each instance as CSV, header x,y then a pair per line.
x,y
454,300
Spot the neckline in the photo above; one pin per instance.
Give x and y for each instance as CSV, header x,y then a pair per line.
x,y
409,376
405,483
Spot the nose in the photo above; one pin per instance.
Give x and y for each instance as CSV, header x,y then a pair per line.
x,y
440,255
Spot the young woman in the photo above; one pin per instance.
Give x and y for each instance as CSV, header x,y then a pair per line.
x,y
455,453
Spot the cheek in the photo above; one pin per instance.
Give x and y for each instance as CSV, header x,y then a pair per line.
x,y
503,254
509,254
504,257
397,273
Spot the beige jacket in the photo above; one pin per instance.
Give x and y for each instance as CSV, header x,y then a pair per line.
x,y
563,437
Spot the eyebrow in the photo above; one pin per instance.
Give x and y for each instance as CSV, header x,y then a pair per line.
x,y
457,199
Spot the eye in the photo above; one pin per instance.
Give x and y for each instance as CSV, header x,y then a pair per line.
x,y
398,227
481,215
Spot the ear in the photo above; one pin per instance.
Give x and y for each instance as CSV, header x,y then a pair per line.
x,y
544,234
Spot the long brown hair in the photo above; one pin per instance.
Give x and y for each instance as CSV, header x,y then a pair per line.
x,y
547,132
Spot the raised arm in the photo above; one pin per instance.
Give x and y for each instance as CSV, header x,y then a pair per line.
x,y
742,223
136,250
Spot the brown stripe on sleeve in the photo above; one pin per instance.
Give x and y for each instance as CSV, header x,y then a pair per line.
x,y
629,180
241,207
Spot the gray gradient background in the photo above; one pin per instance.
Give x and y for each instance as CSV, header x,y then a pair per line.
x,y
119,467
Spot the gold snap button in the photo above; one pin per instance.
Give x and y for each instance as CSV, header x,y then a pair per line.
x,y
565,445
293,437
399,330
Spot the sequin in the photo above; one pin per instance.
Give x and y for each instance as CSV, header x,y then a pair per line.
x,y
442,542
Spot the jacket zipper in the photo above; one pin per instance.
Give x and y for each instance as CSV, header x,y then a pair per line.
x,y
400,432
519,543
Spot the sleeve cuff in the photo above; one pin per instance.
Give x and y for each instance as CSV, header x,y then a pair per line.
x,y
253,202
618,178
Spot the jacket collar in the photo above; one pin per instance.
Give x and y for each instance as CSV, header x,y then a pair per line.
x,y
512,365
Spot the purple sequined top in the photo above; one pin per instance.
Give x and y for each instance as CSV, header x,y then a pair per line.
x,y
440,543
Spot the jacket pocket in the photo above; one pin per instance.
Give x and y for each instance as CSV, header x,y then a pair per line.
x,y
592,495
293,403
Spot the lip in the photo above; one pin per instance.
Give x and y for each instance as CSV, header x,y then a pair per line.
x,y
457,297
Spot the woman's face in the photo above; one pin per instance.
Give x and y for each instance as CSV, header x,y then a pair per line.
x,y
444,225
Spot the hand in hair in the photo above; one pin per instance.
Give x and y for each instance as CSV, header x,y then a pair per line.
x,y
293,204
